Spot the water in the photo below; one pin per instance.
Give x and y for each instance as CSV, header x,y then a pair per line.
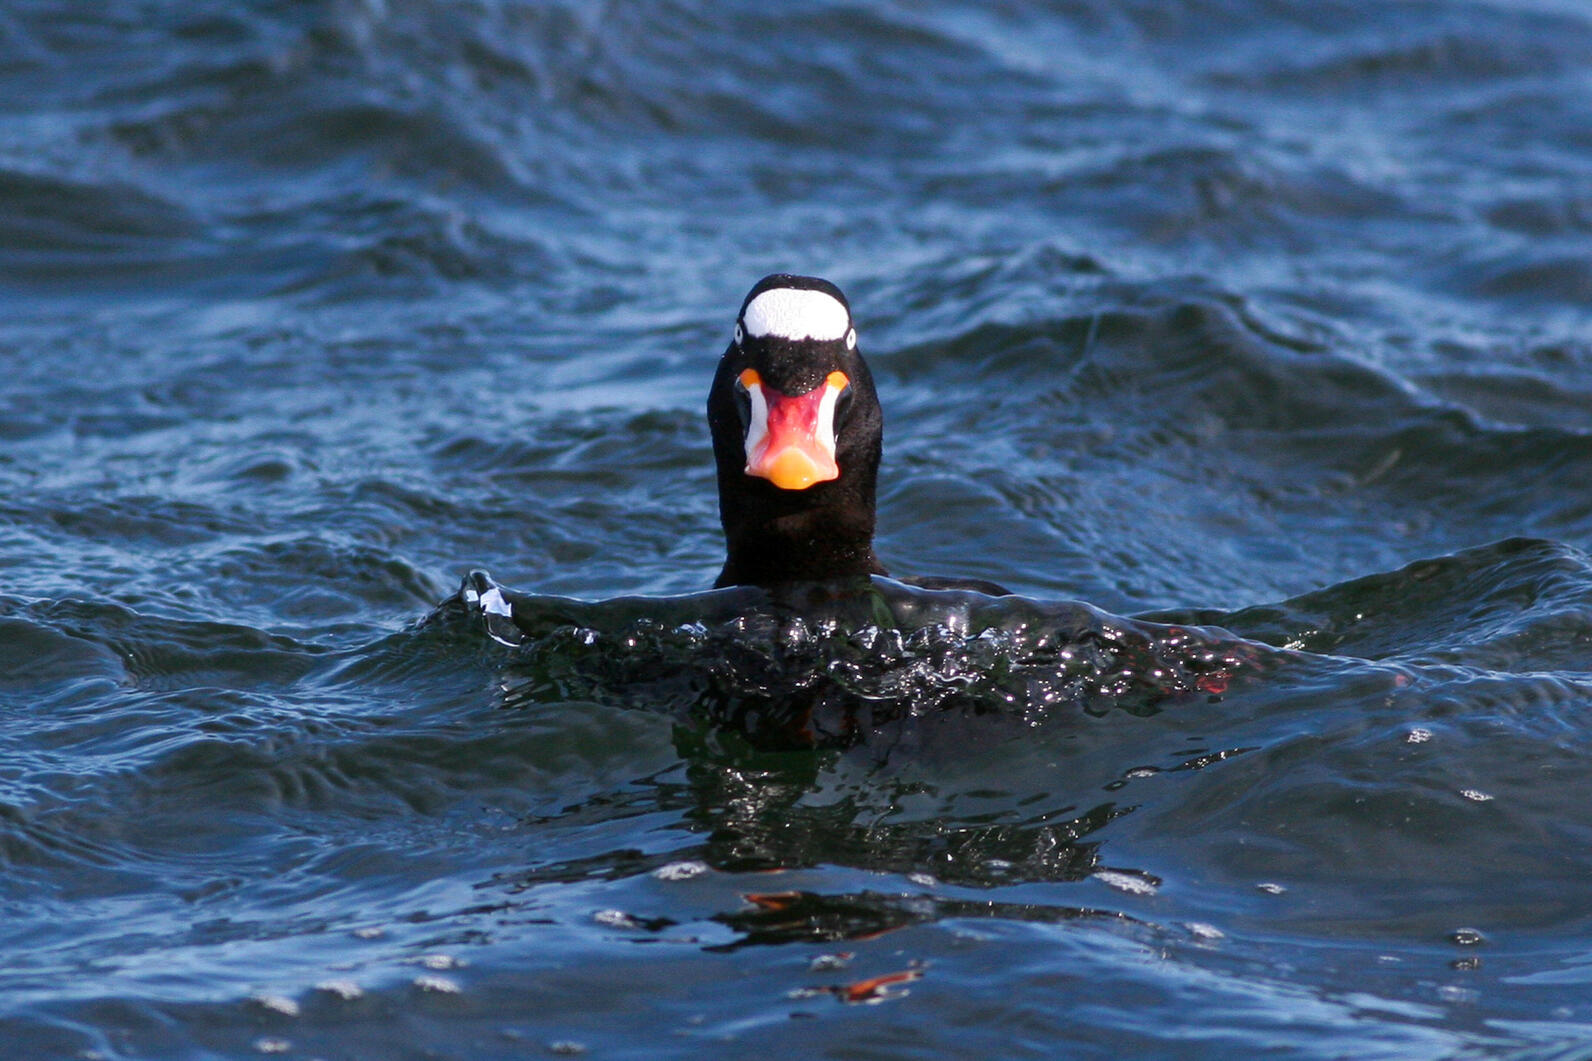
x,y
1257,328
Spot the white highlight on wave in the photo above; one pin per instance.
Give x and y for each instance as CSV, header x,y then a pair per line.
x,y
796,313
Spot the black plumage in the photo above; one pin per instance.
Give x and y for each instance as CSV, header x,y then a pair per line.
x,y
825,530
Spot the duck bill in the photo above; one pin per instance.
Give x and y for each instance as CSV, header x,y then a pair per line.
x,y
790,440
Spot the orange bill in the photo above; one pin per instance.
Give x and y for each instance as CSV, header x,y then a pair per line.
x,y
790,439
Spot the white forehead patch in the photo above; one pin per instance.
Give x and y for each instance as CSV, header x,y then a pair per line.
x,y
796,313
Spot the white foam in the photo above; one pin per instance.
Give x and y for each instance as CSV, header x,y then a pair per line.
x,y
796,313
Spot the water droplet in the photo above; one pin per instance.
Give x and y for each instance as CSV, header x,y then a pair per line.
x,y
1466,937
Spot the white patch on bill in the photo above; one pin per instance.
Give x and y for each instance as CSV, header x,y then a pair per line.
x,y
757,425
796,313
826,417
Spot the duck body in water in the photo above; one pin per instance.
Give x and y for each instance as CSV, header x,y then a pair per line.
x,y
797,438
801,645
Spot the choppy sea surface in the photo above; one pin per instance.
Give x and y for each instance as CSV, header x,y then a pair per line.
x,y
1248,341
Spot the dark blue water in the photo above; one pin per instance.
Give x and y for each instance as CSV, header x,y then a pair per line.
x,y
1259,327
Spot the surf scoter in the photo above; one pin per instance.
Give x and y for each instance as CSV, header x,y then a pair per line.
x,y
797,432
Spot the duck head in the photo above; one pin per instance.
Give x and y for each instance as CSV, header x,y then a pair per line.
x,y
797,433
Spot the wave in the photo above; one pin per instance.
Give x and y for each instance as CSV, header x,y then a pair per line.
x,y
1516,605
1381,744
1104,438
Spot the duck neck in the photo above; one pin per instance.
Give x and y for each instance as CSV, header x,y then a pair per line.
x,y
778,541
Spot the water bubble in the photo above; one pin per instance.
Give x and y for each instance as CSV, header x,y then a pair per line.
x,y
1466,937
1418,735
